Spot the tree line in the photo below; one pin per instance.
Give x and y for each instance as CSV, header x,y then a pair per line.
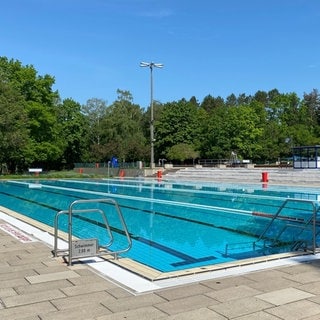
x,y
39,129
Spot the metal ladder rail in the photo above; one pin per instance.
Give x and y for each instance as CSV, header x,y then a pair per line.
x,y
70,213
301,226
314,229
124,226
56,224
279,211
312,219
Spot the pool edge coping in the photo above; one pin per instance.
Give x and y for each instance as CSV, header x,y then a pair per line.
x,y
138,277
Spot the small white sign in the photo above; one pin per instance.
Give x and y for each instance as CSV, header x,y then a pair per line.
x,y
84,248
35,170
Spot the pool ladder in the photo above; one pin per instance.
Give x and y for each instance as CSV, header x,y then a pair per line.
x,y
294,223
266,243
70,238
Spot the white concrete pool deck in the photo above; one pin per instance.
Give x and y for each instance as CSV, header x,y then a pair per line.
x,y
35,285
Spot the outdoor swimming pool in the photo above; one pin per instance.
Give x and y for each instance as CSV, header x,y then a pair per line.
x,y
177,226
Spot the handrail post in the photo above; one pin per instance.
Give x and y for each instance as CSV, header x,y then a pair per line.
x,y
314,228
70,233
55,246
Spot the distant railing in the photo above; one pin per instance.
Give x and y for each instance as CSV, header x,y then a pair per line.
x,y
122,165
213,162
226,162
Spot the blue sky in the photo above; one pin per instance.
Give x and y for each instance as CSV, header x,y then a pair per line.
x,y
94,47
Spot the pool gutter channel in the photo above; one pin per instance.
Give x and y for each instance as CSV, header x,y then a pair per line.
x,y
155,275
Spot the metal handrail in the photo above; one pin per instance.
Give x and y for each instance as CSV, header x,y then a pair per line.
x,y
71,211
312,219
56,223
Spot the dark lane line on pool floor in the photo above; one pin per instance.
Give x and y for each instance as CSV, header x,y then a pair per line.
x,y
186,259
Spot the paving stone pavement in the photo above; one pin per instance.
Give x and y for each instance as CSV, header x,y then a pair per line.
x,y
36,286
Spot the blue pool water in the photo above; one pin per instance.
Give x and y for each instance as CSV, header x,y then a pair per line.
x,y
174,226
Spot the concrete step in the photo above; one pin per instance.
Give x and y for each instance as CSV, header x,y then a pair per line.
x,y
275,176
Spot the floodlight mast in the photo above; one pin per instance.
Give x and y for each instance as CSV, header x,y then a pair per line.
x,y
151,65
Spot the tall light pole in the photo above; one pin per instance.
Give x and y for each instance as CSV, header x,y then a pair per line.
x,y
151,65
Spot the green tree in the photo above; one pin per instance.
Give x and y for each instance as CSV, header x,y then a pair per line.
x,y
312,102
231,100
182,152
216,143
46,144
233,129
261,96
210,103
95,111
123,130
40,101
28,83
244,131
179,122
14,134
74,132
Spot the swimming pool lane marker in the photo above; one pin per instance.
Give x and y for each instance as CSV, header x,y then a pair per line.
x,y
160,201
